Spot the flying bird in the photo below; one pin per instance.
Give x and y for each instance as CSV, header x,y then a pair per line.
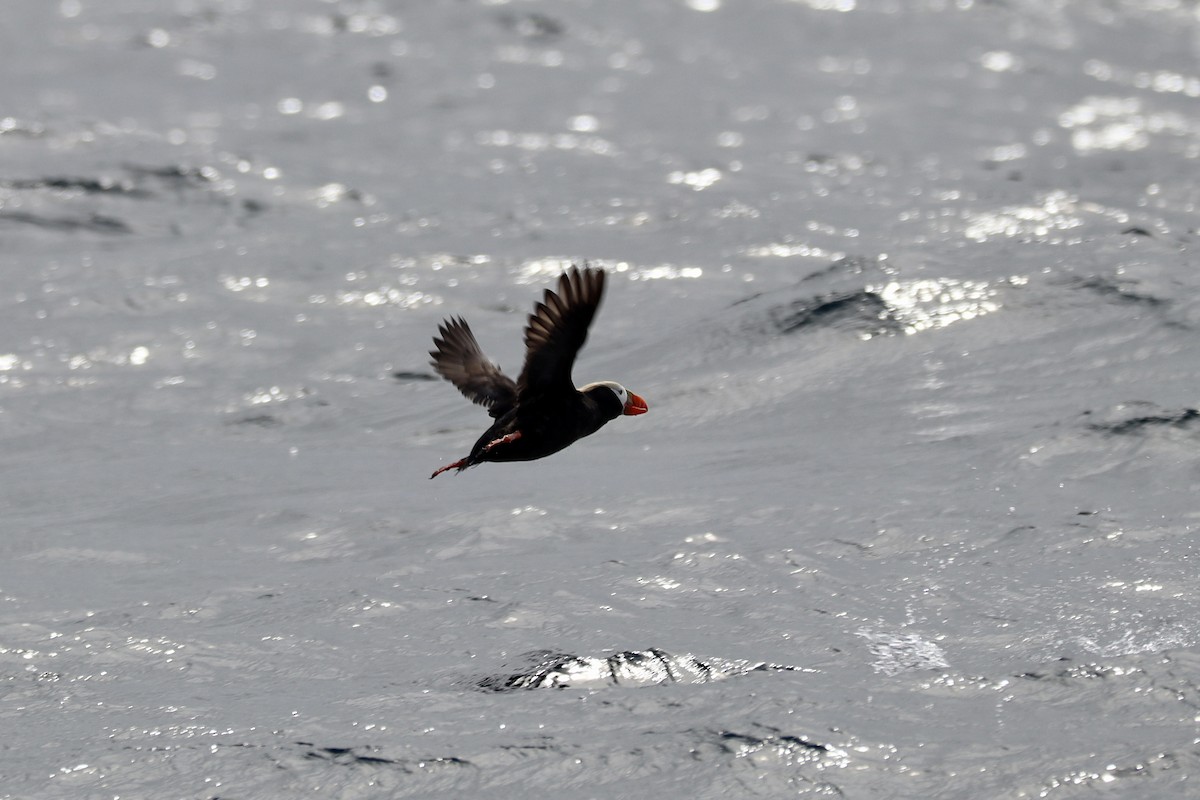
x,y
542,412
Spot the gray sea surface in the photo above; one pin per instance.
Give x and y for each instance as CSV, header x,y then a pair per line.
x,y
911,289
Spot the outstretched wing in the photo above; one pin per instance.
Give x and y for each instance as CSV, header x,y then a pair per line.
x,y
556,331
458,359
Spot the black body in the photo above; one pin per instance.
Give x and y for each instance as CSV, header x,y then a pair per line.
x,y
547,427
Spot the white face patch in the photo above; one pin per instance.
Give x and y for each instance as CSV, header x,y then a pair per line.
x,y
614,387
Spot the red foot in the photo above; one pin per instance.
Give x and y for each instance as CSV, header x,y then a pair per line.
x,y
512,437
461,464
456,465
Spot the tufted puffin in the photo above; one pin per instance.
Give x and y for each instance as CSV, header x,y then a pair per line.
x,y
542,412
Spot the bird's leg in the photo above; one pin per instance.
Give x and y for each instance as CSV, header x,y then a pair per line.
x,y
463,463
460,464
512,437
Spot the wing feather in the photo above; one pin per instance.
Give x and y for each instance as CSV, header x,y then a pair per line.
x,y
556,331
458,358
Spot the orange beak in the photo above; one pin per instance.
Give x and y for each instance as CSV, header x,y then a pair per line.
x,y
634,406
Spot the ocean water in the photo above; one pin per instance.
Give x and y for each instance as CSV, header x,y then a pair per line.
x,y
910,288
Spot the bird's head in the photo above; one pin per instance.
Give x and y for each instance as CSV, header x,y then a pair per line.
x,y
630,404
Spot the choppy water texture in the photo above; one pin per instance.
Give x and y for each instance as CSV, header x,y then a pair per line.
x,y
911,289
